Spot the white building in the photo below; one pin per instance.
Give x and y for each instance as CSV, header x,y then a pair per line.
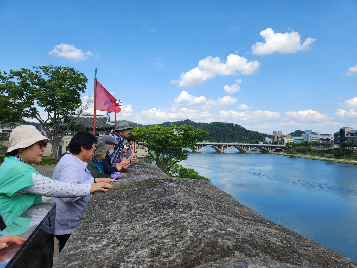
x,y
309,136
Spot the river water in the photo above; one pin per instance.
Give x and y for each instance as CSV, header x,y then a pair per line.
x,y
317,199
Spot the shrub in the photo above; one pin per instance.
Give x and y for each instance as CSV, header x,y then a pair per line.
x,y
182,172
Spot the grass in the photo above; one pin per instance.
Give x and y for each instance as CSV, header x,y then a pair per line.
x,y
349,160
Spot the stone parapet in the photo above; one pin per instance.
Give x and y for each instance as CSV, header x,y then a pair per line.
x,y
152,220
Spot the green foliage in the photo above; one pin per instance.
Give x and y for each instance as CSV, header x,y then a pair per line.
x,y
182,172
340,152
291,151
328,155
349,144
48,160
223,132
55,89
308,145
2,157
167,144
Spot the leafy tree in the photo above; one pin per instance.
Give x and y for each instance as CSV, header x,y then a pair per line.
x,y
289,145
341,152
167,144
349,144
182,172
291,151
53,88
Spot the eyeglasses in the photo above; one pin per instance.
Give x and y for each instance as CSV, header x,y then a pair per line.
x,y
95,149
42,144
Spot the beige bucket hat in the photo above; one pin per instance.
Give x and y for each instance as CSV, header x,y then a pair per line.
x,y
24,136
101,147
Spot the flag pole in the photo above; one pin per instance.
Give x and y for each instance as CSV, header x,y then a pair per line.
x,y
95,89
115,121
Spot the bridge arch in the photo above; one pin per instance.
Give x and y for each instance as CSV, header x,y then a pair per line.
x,y
241,147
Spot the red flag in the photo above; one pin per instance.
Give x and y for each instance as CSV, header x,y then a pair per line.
x,y
105,101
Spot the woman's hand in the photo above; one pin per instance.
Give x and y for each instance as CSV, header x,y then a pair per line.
x,y
100,186
103,180
7,239
123,165
133,157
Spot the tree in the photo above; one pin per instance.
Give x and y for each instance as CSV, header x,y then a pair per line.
x,y
291,151
55,89
167,145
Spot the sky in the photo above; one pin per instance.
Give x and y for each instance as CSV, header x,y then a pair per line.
x,y
265,65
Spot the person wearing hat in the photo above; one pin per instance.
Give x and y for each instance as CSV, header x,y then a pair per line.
x,y
123,132
22,186
96,167
108,168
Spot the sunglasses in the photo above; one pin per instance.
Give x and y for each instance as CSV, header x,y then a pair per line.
x,y
95,149
42,144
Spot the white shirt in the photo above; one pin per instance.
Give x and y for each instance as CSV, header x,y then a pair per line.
x,y
70,169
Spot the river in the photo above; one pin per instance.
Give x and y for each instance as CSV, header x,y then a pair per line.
x,y
317,199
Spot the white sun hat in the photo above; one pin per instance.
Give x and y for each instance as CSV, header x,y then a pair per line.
x,y
24,136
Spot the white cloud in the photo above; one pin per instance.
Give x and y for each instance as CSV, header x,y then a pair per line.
x,y
352,103
346,114
245,107
70,52
126,111
234,88
306,116
186,99
254,116
157,115
280,42
352,71
209,67
351,113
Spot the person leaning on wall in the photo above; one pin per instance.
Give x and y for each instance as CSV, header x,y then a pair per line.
x,y
22,186
122,132
72,168
96,165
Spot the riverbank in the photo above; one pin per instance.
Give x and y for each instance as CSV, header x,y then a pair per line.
x,y
314,157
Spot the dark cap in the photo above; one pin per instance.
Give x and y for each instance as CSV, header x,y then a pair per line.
x,y
109,139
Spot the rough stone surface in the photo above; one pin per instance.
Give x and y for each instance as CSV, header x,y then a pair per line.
x,y
151,220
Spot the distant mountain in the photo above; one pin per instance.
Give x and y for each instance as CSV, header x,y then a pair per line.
x,y
297,133
218,131
223,132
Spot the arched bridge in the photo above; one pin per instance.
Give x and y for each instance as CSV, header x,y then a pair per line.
x,y
242,147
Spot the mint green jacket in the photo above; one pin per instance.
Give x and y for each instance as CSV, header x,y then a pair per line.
x,y
14,176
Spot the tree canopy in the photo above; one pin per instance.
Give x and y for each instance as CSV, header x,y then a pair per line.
x,y
167,145
54,90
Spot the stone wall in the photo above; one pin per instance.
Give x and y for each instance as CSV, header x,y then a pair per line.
x,y
151,220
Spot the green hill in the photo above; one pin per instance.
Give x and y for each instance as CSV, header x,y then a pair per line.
x,y
219,132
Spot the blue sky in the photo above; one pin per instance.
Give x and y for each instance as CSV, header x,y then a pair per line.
x,y
266,65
